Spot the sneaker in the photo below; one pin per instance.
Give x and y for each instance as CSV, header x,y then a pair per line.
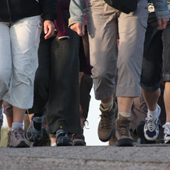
x,y
106,124
62,138
166,127
122,131
44,141
140,133
17,139
8,138
32,134
1,121
78,140
151,128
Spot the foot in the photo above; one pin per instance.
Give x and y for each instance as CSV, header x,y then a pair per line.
x,y
44,141
17,139
151,128
78,140
106,124
33,134
122,131
166,133
62,138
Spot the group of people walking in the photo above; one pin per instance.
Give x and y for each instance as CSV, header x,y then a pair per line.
x,y
51,53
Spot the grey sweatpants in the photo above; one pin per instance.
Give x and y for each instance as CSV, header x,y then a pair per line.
x,y
104,25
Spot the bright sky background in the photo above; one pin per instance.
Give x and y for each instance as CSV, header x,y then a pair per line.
x,y
90,132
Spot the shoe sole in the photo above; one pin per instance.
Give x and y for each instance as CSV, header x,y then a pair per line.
x,y
107,139
21,145
79,143
124,142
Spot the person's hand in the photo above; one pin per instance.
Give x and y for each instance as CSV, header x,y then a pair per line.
x,y
162,23
79,28
48,29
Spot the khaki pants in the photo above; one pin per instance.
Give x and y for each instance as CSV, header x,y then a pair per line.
x,y
105,24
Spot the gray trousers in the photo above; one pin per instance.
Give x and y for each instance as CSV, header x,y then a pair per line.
x,y
104,25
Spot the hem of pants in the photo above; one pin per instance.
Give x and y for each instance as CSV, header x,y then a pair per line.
x,y
166,77
151,88
103,95
128,91
53,129
16,105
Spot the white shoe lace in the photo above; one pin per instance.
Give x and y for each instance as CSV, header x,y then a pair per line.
x,y
151,123
166,129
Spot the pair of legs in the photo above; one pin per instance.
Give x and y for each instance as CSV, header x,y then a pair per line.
x,y
104,25
156,55
19,45
57,84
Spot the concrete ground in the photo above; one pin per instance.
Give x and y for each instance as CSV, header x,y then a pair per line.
x,y
141,157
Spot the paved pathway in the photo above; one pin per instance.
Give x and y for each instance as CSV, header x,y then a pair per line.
x,y
145,157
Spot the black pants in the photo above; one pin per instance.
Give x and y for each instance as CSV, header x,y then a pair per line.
x,y
156,55
57,83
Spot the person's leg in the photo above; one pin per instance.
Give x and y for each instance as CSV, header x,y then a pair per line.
x,y
103,58
63,105
8,111
41,90
25,35
166,79
129,67
150,77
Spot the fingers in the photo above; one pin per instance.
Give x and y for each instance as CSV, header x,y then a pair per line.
x,y
48,29
79,28
162,23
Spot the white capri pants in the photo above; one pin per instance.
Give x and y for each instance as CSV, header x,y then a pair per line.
x,y
19,60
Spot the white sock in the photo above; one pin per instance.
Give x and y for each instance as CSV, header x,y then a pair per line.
x,y
153,113
124,114
16,124
53,144
107,105
9,129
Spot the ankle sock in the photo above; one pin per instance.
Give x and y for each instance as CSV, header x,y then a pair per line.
x,y
153,113
124,114
107,105
16,124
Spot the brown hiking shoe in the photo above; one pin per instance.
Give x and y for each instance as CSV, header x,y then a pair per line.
x,y
78,140
106,124
122,131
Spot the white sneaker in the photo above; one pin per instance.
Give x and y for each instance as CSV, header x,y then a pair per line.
x,y
151,128
166,127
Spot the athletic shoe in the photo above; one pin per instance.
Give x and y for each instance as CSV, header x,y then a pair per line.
x,y
17,139
78,140
32,134
151,128
122,131
62,138
166,127
106,124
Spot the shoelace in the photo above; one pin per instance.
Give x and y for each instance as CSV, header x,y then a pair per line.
x,y
105,121
123,126
151,123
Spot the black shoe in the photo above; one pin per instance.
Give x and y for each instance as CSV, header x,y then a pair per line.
x,y
44,141
62,138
